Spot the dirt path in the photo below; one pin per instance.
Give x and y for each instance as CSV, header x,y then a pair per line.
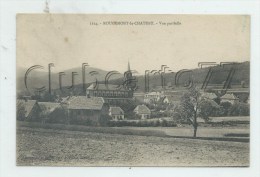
x,y
73,148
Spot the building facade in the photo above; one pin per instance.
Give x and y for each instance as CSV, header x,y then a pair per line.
x,y
143,112
116,113
88,111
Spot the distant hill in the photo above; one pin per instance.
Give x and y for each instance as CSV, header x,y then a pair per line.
x,y
219,75
39,78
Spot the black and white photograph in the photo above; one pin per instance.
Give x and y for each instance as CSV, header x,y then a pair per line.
x,y
114,88
135,90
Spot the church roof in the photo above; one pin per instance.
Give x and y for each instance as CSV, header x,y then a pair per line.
x,y
106,87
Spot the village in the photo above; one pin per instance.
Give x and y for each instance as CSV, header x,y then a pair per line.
x,y
77,128
173,94
113,105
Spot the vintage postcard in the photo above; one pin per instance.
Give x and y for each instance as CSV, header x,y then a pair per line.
x,y
132,90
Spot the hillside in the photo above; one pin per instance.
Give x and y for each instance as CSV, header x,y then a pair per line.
x,y
219,75
38,78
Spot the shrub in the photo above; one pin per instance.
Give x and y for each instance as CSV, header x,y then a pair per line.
x,y
164,123
239,109
224,109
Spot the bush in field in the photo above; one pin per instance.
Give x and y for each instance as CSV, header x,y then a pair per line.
x,y
157,114
207,108
164,123
171,124
177,117
142,123
156,123
224,109
239,109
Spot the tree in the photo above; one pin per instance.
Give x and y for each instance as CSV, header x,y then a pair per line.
x,y
224,108
208,108
239,109
193,105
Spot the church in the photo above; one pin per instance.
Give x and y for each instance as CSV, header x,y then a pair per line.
x,y
114,94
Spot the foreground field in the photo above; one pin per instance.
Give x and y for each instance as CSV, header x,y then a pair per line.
x,y
37,146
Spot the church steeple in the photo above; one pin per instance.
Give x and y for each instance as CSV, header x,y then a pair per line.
x,y
130,83
128,67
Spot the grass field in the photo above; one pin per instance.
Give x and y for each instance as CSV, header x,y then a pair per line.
x,y
59,147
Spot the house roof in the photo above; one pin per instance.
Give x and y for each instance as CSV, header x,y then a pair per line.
x,y
210,96
106,87
174,93
153,94
116,111
49,106
83,102
229,97
142,109
173,98
28,105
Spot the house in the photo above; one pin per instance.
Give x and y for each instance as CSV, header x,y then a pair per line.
x,y
52,112
172,100
210,96
116,113
142,111
30,109
229,98
152,97
82,109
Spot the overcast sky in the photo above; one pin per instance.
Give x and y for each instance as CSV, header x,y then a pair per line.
x,y
69,40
